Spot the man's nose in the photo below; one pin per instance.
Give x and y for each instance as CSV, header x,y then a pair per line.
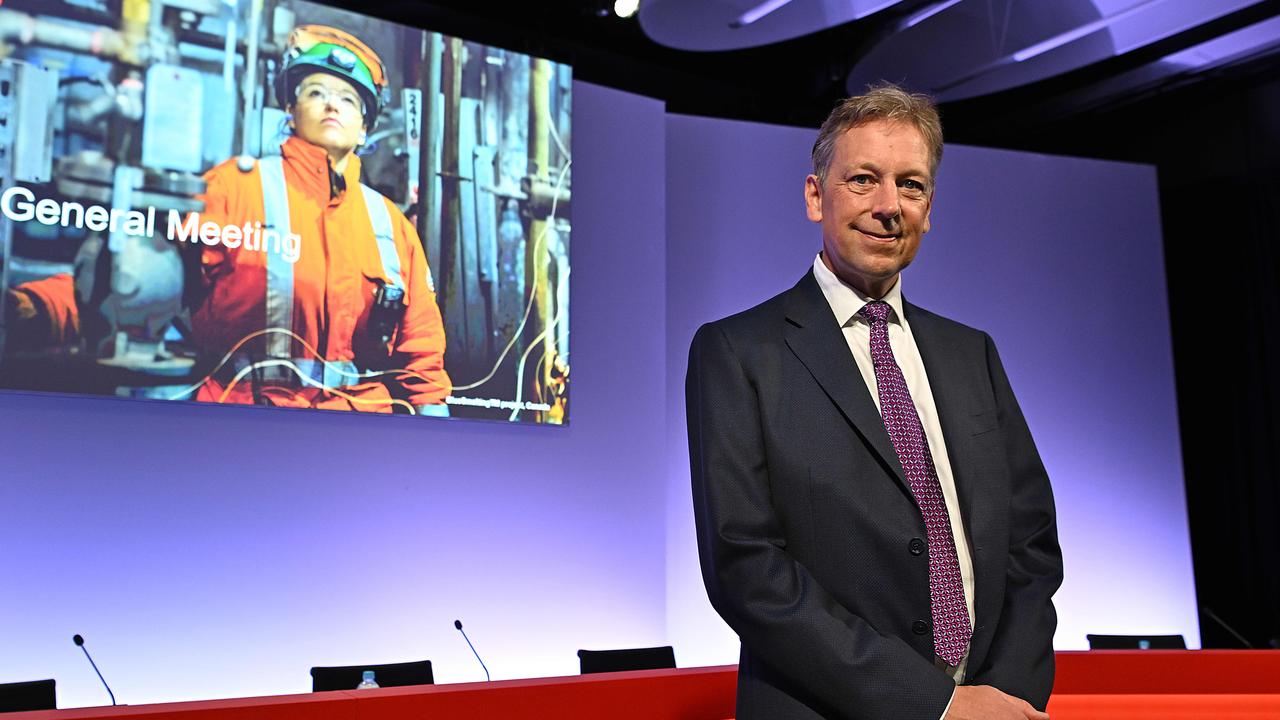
x,y
886,206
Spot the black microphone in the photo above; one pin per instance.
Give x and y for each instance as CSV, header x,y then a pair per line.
x,y
458,624
79,641
1223,623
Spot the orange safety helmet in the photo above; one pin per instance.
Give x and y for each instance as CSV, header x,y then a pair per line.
x,y
319,48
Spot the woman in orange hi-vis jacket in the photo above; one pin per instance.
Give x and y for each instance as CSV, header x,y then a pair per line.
x,y
322,296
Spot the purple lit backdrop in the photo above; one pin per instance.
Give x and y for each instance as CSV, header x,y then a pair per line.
x,y
1059,259
214,552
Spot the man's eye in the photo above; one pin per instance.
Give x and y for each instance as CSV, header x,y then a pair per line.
x,y
860,180
314,93
915,185
349,100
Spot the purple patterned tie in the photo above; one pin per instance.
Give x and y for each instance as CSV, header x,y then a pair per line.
x,y
951,630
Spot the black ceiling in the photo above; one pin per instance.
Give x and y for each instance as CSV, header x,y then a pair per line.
x,y
797,81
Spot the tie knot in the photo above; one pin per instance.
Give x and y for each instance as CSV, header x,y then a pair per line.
x,y
875,311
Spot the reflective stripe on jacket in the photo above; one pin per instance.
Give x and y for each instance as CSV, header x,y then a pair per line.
x,y
338,270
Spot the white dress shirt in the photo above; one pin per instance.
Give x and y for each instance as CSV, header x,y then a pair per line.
x,y
845,302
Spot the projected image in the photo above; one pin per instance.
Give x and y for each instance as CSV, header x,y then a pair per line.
x,y
283,204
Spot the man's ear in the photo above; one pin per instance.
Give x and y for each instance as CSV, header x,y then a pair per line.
x,y
813,198
927,209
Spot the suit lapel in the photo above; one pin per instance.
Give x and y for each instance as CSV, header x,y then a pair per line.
x,y
946,364
814,336
812,333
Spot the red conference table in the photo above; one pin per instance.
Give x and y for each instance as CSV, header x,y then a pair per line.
x,y
1096,685
1167,684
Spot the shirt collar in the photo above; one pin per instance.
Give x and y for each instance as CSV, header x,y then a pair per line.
x,y
846,300
311,168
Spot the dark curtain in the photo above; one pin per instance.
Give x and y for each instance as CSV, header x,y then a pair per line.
x,y
1215,141
1219,166
1216,146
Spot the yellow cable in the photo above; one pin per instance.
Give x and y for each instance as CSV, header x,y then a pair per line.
x,y
336,367
533,293
309,381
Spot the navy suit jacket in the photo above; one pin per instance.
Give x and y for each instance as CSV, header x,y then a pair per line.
x,y
805,521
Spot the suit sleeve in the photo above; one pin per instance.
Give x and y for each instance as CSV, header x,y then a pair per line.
x,y
1020,661
827,655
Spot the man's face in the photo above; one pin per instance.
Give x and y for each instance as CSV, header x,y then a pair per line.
x,y
874,206
328,112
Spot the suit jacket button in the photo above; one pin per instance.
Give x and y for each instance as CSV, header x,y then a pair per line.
x,y
916,546
919,627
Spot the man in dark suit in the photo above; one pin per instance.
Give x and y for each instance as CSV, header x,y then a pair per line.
x,y
873,518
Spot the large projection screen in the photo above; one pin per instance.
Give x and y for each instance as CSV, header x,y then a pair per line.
x,y
283,204
209,552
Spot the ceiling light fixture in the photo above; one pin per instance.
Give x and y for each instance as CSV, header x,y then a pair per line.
x,y
757,12
1074,34
625,8
1044,46
929,12
864,12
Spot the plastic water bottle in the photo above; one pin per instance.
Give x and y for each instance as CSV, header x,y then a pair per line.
x,y
367,681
